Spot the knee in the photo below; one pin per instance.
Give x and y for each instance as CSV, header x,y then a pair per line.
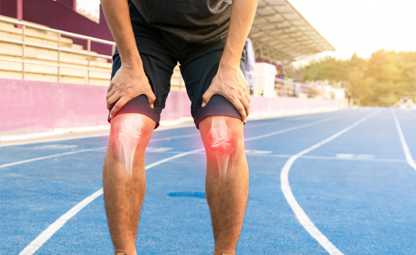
x,y
222,135
130,130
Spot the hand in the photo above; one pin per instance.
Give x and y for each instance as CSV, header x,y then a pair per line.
x,y
230,83
127,84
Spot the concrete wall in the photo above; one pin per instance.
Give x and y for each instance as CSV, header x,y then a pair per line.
x,y
34,106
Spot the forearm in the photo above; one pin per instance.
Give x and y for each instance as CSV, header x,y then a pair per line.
x,y
118,19
242,16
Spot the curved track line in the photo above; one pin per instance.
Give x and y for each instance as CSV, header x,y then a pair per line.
x,y
300,214
405,146
57,155
46,234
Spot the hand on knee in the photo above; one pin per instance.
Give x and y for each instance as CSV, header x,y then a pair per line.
x,y
130,133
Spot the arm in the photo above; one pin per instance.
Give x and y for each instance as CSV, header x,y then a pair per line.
x,y
130,80
229,81
242,17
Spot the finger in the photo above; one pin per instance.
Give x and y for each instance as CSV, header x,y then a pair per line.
x,y
246,104
151,98
112,86
239,106
112,99
247,99
117,107
206,97
111,91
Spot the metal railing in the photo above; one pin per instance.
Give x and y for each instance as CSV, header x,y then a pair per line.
x,y
60,47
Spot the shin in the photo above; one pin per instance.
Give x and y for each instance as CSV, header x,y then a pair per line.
x,y
124,178
226,179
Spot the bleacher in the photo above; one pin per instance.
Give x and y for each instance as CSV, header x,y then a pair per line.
x,y
34,52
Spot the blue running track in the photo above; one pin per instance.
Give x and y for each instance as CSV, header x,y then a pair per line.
x,y
331,183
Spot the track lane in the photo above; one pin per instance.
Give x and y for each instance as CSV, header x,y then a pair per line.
x,y
167,173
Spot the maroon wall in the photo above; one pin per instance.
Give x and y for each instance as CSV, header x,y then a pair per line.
x,y
8,8
68,3
60,15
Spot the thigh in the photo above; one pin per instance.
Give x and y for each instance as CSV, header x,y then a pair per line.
x,y
198,70
158,67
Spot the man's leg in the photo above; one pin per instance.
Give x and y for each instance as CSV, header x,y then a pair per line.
x,y
124,177
226,179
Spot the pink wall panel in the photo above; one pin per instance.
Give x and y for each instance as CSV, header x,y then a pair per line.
x,y
177,106
34,106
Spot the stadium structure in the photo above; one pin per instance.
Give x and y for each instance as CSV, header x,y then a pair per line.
x,y
44,43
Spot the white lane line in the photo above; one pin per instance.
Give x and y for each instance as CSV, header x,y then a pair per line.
x,y
33,246
46,234
288,130
318,157
405,146
56,139
384,160
276,120
176,137
300,214
52,156
57,155
151,149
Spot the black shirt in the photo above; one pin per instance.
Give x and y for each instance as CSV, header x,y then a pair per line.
x,y
190,20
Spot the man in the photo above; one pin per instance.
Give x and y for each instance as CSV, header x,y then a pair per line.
x,y
207,38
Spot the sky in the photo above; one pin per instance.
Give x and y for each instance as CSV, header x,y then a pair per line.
x,y
351,26
362,26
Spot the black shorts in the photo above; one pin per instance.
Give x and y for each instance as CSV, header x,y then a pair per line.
x,y
160,52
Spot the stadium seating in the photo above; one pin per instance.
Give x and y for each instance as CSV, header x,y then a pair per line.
x,y
39,53
36,52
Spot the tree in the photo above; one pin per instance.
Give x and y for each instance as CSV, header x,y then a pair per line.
x,y
379,81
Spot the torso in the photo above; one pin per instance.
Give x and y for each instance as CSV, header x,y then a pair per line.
x,y
191,20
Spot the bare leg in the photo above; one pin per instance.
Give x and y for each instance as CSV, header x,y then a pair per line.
x,y
226,179
124,178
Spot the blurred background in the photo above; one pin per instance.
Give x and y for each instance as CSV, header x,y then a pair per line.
x,y
343,73
301,57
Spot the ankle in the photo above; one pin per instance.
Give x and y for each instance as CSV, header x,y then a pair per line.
x,y
225,252
125,252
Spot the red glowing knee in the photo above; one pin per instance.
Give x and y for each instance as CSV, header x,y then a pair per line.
x,y
220,138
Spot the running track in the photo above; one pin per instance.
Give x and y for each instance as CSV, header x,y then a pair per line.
x,y
332,183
